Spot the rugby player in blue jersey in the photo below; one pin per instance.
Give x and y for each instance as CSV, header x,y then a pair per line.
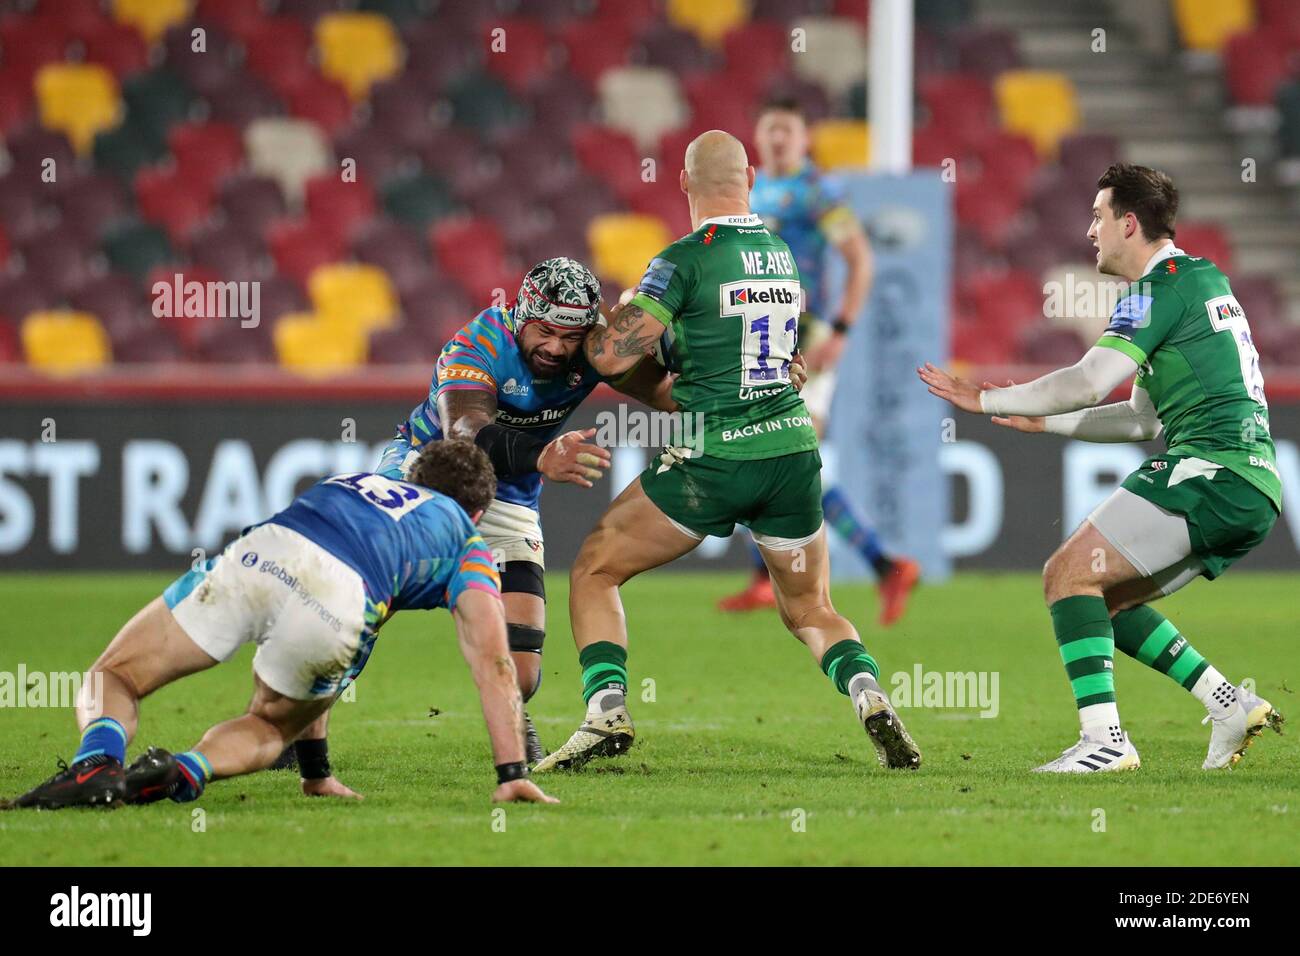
x,y
508,381
311,586
807,210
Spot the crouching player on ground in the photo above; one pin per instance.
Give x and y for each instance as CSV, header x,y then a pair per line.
x,y
310,587
730,294
1191,512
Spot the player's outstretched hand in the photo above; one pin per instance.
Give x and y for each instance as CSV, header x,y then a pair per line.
x,y
521,791
569,458
329,787
965,395
798,371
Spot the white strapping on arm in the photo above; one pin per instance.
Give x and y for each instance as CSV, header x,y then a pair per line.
x,y
1082,385
1134,420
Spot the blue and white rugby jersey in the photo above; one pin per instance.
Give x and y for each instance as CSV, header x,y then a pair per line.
x,y
800,208
413,547
484,355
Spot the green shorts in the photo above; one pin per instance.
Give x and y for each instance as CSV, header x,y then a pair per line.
x,y
1226,515
776,497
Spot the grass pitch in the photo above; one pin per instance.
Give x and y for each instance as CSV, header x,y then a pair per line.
x,y
745,756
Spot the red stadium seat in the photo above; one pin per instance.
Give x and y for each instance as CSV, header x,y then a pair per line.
x,y
1207,241
1255,64
92,201
118,47
1045,344
472,252
29,42
16,100
756,51
206,152
1009,161
932,145
322,101
1009,302
973,342
962,106
169,199
278,51
717,102
596,45
1281,18
342,207
188,329
11,349
526,60
854,10
988,207
229,251
610,156
298,247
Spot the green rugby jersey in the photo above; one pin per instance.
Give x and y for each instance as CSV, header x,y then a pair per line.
x,y
729,296
1181,323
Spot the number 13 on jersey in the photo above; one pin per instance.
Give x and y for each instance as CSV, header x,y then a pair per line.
x,y
769,311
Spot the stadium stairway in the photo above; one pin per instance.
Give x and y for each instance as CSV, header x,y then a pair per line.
x,y
1163,115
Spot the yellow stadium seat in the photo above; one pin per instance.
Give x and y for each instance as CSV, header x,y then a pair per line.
x,y
622,244
62,341
711,21
307,343
151,18
840,143
1205,25
358,50
1039,104
78,100
353,293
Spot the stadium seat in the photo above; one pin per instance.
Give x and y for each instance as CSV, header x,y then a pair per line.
x,y
278,52
960,106
680,53
622,245
290,151
479,101
236,17
986,52
1050,345
758,47
230,251
78,100
117,47
156,100
321,101
663,200
1255,65
1009,162
405,344
121,304
206,71
25,213
11,346
241,99
357,50
188,329
337,205
987,207
1039,104
306,343
30,42
837,144
298,248
718,103
16,102
610,155
595,46
355,293
57,261
643,102
397,249
135,247
208,152
472,252
64,342
151,18
1085,156
1010,302
526,59
172,200
1282,18
1205,25
1207,241
836,56
417,198
710,22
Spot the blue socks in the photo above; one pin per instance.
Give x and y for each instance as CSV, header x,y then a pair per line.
x,y
102,738
864,540
195,774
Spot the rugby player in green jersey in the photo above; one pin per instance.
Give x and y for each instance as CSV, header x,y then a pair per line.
x,y
1192,511
729,296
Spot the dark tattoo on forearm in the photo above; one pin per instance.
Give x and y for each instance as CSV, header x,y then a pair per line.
x,y
633,345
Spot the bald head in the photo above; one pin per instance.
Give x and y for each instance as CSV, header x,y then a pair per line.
x,y
716,165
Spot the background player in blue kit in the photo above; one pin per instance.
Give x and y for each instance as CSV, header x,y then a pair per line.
x,y
808,212
310,586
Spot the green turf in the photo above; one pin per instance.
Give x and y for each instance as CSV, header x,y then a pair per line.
x,y
743,731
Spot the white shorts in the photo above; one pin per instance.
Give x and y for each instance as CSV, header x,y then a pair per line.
x,y
1153,540
512,533
302,607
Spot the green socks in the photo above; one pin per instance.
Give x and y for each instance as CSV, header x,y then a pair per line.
x,y
844,661
1146,634
604,667
1087,645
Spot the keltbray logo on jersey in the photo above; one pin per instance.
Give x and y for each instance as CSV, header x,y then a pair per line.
x,y
782,295
757,262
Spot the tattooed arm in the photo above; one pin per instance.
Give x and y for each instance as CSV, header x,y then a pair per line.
x,y
465,410
649,382
630,336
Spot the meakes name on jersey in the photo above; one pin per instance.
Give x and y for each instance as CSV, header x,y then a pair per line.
x,y
730,298
1181,323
